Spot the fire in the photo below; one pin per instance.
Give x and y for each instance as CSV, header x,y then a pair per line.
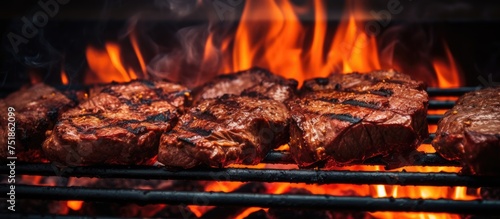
x,y
107,65
75,205
287,47
135,46
64,77
448,75
272,35
282,44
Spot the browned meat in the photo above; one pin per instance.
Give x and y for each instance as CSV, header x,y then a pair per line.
x,y
348,118
355,81
255,81
226,130
470,132
120,125
36,110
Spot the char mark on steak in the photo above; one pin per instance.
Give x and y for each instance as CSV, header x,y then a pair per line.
x,y
348,118
121,124
252,82
470,132
226,130
36,110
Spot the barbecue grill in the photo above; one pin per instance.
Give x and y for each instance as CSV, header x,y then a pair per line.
x,y
310,176
79,43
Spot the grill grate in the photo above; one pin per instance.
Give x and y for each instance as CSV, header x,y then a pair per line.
x,y
265,175
476,207
259,200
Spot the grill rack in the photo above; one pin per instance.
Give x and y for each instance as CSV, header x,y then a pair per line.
x,y
476,207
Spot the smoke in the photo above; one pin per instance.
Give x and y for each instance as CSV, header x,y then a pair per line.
x,y
409,49
189,63
178,8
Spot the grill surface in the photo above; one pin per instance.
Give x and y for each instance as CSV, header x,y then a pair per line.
x,y
275,175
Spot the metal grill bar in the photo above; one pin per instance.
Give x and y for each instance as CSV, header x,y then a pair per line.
x,y
265,175
255,200
416,159
433,119
437,104
434,91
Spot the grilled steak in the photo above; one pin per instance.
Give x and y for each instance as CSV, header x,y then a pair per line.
x,y
348,118
36,110
470,132
226,130
255,81
120,125
356,81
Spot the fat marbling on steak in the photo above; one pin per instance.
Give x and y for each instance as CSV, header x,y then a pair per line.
x,y
36,110
121,124
226,130
254,81
347,118
470,132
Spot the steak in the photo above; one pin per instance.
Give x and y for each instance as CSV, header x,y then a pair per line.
x,y
254,81
226,130
470,132
121,124
348,118
36,110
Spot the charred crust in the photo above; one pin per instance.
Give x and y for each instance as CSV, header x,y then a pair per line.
x,y
383,92
292,83
200,131
162,117
186,140
361,104
344,117
137,130
149,84
329,100
204,115
322,81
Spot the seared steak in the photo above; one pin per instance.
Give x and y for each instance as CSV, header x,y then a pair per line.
x,y
348,118
255,81
226,130
120,125
356,81
36,110
470,132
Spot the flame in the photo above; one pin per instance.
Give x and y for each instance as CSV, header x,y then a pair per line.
x,y
107,65
271,35
64,77
448,75
75,205
282,44
285,46
135,46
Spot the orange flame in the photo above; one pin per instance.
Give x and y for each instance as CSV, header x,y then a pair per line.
x,y
271,35
107,66
448,75
282,44
75,205
64,77
135,46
